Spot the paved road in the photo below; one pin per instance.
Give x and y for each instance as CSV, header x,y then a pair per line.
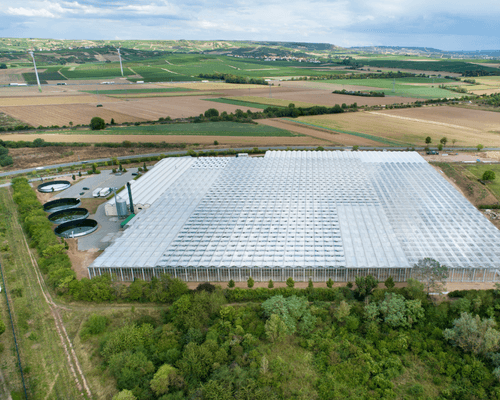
x,y
105,179
240,149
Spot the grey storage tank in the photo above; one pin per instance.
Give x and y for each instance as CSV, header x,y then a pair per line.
x,y
121,208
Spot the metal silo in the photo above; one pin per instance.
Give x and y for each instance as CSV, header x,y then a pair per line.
x,y
121,208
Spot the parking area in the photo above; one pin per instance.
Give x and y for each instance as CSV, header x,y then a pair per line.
x,y
105,179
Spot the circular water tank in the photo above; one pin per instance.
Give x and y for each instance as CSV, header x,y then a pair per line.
x,y
121,208
61,204
54,186
75,229
70,214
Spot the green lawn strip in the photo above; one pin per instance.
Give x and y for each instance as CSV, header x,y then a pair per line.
x,y
133,91
478,171
44,362
359,134
202,129
240,103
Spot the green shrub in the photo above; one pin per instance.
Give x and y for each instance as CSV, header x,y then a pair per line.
x,y
97,123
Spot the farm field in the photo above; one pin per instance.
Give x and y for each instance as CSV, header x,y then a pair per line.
x,y
240,103
49,100
174,107
468,127
63,114
225,141
127,90
404,87
319,92
488,85
334,138
170,94
225,128
263,101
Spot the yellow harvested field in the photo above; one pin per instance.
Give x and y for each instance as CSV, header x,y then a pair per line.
x,y
79,114
210,86
49,100
487,85
468,127
233,141
485,91
334,139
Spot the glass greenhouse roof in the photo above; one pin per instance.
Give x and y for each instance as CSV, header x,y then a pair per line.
x,y
307,209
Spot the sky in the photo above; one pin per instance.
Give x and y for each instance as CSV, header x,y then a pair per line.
x,y
446,25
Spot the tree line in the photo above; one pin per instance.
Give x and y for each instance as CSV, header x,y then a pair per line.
x,y
371,343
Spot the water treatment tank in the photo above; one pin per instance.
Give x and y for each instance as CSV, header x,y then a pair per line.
x,y
121,208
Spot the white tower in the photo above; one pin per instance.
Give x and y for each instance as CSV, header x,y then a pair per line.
x,y
36,72
120,57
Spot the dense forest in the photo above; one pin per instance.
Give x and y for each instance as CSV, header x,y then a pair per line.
x,y
391,343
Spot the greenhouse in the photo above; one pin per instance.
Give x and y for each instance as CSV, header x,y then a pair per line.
x,y
305,214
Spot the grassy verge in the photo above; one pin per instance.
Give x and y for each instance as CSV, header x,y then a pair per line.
x,y
202,129
478,171
46,370
464,178
359,134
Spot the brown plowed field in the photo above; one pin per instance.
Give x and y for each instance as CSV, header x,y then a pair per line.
x,y
334,139
318,92
232,141
175,107
49,100
62,114
468,127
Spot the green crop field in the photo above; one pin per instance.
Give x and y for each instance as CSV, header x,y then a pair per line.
x,y
138,91
44,74
85,72
202,129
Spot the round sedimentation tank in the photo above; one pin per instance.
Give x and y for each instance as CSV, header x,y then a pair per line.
x,y
69,214
121,208
54,186
75,229
61,204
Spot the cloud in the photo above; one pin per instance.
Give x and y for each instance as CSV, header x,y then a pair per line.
x,y
342,22
30,12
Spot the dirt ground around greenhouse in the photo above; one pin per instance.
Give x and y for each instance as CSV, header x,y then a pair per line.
x,y
302,285
80,260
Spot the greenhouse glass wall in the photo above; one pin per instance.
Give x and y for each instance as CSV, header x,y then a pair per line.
x,y
304,214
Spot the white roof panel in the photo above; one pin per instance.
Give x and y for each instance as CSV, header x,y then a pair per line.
x,y
306,208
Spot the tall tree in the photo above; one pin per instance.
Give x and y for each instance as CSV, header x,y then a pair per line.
x,y
431,273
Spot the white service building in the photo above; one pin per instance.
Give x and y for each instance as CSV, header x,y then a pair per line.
x,y
305,214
